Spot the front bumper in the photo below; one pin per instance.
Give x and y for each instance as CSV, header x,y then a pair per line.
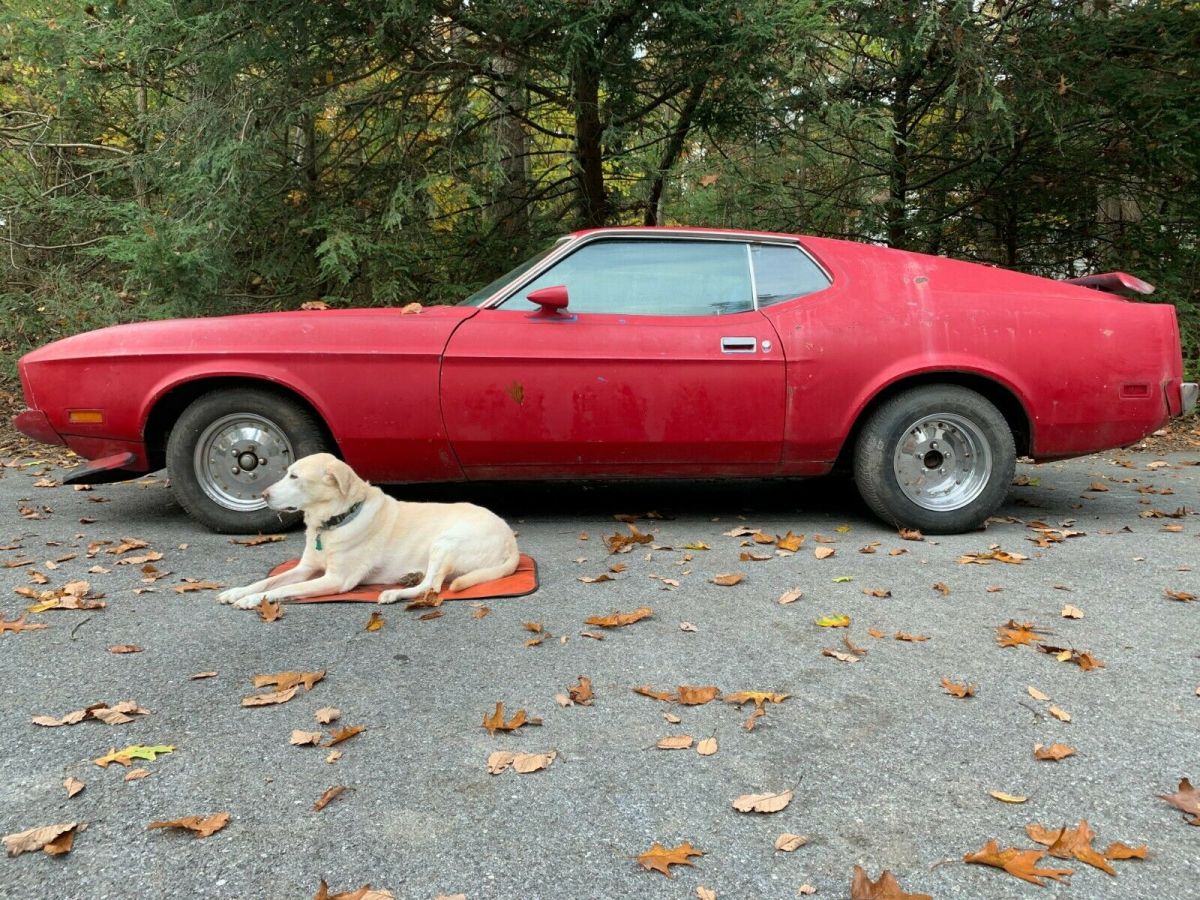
x,y
1188,392
33,423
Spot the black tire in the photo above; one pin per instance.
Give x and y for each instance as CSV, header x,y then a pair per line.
x,y
252,435
939,458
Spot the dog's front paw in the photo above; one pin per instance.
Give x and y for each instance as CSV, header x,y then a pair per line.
x,y
248,602
389,596
229,596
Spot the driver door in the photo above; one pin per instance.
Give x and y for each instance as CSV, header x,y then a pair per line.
x,y
659,365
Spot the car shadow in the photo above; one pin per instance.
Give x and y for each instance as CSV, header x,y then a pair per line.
x,y
834,496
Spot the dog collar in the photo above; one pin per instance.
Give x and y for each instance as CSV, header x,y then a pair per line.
x,y
340,519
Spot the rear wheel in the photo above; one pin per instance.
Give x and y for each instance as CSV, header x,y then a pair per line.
x,y
229,445
939,458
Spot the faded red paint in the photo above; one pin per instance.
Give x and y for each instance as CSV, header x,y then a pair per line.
x,y
461,392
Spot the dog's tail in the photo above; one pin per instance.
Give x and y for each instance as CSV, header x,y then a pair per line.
x,y
479,576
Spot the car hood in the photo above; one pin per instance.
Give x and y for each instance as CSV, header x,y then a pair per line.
x,y
277,332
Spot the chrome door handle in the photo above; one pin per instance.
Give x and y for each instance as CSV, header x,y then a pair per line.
x,y
738,345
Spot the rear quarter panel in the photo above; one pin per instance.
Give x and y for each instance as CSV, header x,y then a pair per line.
x,y
1089,369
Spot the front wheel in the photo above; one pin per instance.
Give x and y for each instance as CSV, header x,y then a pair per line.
x,y
939,458
229,445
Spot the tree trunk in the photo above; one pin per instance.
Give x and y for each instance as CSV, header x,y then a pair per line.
x,y
511,206
671,153
589,154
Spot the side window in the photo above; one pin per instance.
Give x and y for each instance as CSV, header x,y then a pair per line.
x,y
650,278
783,273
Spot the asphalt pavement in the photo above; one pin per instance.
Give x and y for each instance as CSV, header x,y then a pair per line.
x,y
888,770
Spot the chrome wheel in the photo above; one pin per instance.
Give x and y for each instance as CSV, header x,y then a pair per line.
x,y
237,456
942,462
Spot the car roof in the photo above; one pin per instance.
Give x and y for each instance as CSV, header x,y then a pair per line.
x,y
683,230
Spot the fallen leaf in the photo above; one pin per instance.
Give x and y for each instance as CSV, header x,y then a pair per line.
x,y
688,626
1008,798
886,888
838,654
696,696
878,593
18,625
1187,800
594,579
581,693
790,596
125,648
1036,694
302,738
1072,612
326,798
284,680
707,747
495,722
333,756
524,763
942,588
1061,714
136,774
117,714
1117,850
52,839
132,752
268,611
836,620
911,638
703,893
1021,863
647,691
199,675
202,828
344,734
790,542
1014,634
823,552
271,698
375,622
958,690
1054,752
1071,843
620,619
259,540
762,803
758,698
911,534
789,842
73,786
193,585
675,742
1182,596
672,718
659,859
729,580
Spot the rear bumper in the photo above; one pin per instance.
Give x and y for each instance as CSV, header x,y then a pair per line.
x,y
33,423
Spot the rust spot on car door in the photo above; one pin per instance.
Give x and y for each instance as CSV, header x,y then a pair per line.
x,y
516,390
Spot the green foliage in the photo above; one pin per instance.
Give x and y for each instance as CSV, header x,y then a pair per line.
x,y
179,157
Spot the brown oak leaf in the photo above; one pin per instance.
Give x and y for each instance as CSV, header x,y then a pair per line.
x,y
202,828
1020,863
886,888
659,859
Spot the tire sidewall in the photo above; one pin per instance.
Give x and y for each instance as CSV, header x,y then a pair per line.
x,y
874,469
301,428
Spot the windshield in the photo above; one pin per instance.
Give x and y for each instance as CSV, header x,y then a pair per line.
x,y
487,290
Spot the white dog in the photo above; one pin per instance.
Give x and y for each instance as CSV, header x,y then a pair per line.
x,y
355,534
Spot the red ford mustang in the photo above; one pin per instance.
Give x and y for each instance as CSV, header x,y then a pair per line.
x,y
637,353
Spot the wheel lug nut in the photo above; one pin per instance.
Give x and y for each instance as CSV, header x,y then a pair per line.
x,y
234,470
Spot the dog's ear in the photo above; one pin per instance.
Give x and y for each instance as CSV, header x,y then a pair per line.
x,y
340,474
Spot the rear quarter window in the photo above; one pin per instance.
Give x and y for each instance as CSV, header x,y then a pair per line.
x,y
784,273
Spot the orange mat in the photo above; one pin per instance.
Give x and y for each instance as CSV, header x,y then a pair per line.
x,y
518,584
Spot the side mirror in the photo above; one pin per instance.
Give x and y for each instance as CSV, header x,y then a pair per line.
x,y
550,299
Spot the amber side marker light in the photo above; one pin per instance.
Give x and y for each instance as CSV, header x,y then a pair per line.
x,y
85,416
